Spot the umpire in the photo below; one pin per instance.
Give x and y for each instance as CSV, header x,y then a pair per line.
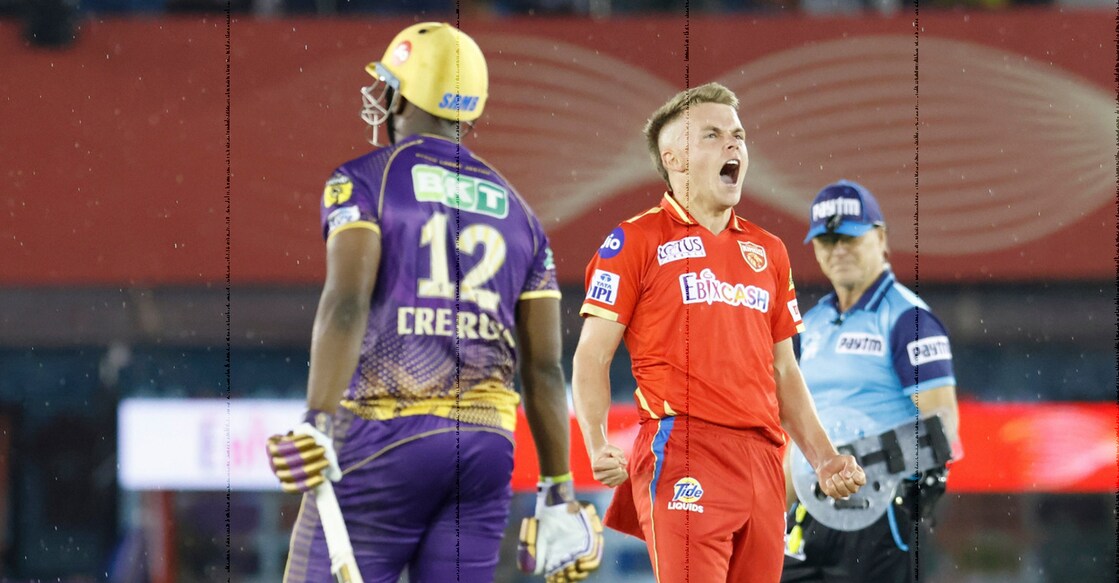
x,y
872,354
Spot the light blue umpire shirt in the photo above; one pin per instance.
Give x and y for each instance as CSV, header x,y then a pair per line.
x,y
863,365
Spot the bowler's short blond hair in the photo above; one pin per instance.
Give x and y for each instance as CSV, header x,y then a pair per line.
x,y
709,93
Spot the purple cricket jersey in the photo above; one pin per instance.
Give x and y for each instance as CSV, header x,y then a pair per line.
x,y
459,249
424,436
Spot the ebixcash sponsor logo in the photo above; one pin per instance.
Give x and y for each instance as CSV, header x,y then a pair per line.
x,y
706,287
680,249
686,493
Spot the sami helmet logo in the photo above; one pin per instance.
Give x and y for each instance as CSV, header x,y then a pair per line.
x,y
457,102
401,53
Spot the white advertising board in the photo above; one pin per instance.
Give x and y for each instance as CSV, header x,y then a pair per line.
x,y
200,444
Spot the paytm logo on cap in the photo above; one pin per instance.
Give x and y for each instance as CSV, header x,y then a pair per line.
x,y
851,207
604,287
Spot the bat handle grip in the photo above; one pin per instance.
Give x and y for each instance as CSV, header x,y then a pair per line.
x,y
342,563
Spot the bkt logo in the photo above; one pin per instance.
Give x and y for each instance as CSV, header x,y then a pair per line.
x,y
686,492
613,243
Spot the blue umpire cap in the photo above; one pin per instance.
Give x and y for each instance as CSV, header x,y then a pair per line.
x,y
844,208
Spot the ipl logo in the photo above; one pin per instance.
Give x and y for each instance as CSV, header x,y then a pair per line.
x,y
604,287
686,493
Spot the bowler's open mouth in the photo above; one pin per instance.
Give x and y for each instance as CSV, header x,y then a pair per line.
x,y
729,172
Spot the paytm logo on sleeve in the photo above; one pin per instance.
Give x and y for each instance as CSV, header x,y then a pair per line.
x,y
604,287
928,350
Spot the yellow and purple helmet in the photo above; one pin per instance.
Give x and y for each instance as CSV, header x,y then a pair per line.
x,y
433,65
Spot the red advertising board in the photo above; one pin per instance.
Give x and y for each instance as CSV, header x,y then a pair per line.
x,y
991,152
1009,447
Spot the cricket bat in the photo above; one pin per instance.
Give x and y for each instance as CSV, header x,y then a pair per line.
x,y
342,563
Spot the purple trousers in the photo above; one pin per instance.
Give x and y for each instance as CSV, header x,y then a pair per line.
x,y
423,493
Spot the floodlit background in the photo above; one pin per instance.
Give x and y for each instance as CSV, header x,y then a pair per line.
x,y
160,255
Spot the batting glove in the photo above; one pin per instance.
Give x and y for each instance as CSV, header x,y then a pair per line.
x,y
563,541
305,456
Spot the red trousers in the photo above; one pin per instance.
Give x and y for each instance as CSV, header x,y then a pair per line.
x,y
708,500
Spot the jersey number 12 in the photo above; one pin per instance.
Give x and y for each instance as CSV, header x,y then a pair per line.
x,y
439,285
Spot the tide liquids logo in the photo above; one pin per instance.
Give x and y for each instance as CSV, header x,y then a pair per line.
x,y
686,493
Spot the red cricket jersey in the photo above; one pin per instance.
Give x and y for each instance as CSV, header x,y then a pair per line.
x,y
702,313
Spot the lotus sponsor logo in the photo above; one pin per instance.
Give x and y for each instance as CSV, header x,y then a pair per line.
x,y
853,343
686,492
604,287
928,350
613,243
680,249
705,288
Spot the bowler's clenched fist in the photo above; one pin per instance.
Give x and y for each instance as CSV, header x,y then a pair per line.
x,y
609,466
840,476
